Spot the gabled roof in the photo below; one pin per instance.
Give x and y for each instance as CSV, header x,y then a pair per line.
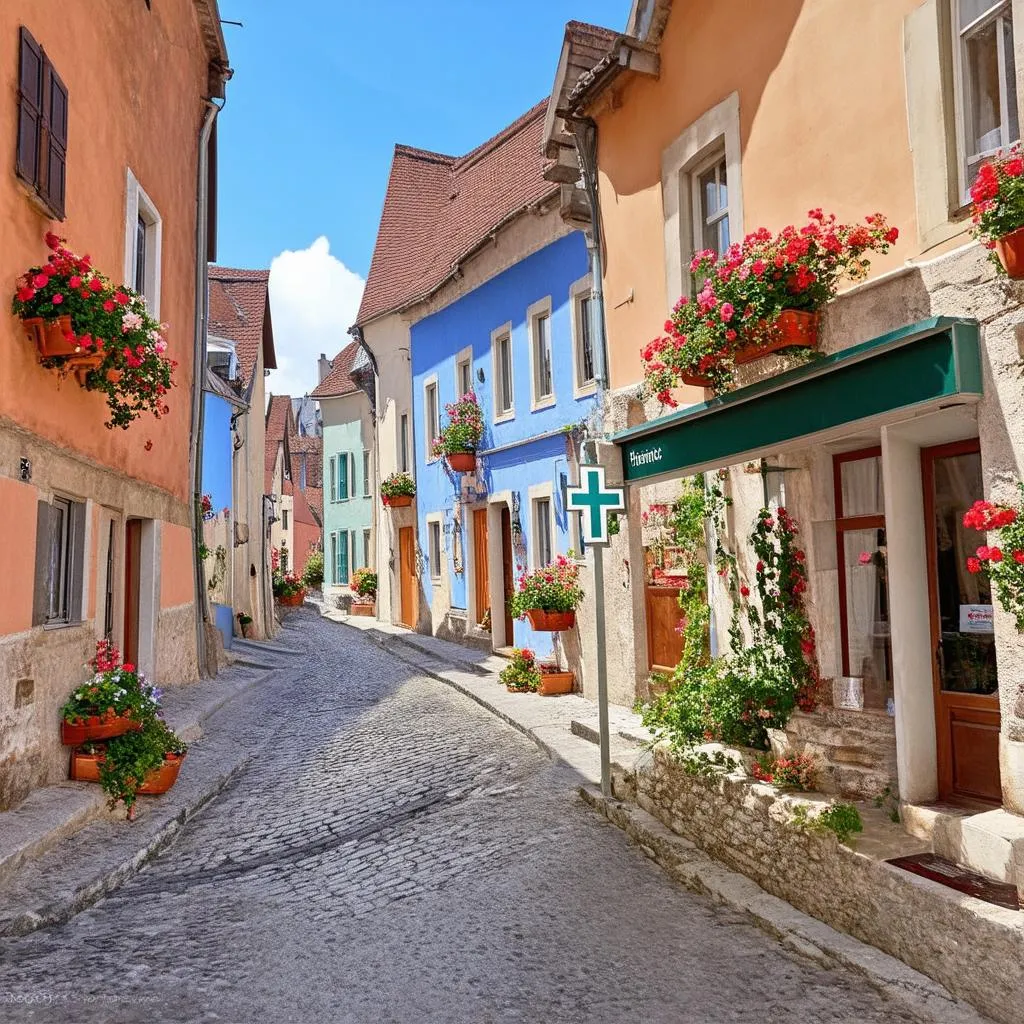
x,y
280,424
339,381
439,209
240,312
315,501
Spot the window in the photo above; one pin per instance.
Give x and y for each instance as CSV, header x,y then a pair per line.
x,y
434,551
501,348
340,550
108,586
986,82
334,479
60,562
42,127
333,567
142,244
539,318
431,414
367,561
343,477
284,519
366,473
583,311
403,443
357,562
710,205
862,562
542,553
464,372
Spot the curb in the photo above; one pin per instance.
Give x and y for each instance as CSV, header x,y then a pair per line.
x,y
691,867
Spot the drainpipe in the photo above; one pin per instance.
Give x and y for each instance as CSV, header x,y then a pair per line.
x,y
199,376
356,332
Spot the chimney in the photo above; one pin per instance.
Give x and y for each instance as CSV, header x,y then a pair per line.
x,y
323,367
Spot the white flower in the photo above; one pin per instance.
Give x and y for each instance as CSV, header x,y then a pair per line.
x,y
130,322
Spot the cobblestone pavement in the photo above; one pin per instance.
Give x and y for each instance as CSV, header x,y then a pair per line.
x,y
396,854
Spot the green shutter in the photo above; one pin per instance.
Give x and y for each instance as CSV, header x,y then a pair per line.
x,y
343,476
342,567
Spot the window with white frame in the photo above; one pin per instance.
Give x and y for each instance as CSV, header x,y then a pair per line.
x,y
584,371
343,477
542,548
143,241
434,548
710,196
341,563
333,474
60,550
464,372
403,442
366,473
504,394
986,83
431,414
539,321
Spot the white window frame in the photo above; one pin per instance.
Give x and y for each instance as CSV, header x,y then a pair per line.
x,y
435,426
997,12
716,129
367,472
435,557
503,415
140,206
350,489
354,538
463,359
579,291
538,493
332,478
699,219
403,442
535,312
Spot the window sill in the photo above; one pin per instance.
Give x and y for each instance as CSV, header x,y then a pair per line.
x,y
505,417
63,625
544,403
585,390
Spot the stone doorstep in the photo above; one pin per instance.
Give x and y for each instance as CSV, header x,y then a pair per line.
x,y
696,870
54,813
990,843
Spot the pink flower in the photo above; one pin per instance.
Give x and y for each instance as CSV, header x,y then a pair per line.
x,y
58,299
40,281
726,312
864,558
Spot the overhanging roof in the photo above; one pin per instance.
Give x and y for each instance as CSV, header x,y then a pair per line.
x,y
927,365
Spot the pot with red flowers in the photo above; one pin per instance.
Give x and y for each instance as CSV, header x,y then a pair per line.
x,y
397,491
762,295
82,323
521,674
997,211
1001,563
460,437
549,596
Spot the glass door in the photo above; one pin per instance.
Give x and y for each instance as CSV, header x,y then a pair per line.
x,y
966,685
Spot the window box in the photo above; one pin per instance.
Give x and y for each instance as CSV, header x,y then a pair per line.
x,y
550,622
97,727
554,683
358,608
461,462
50,337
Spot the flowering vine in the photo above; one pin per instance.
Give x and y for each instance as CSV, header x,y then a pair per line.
x,y
1002,563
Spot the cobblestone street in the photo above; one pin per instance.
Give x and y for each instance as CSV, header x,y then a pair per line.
x,y
395,853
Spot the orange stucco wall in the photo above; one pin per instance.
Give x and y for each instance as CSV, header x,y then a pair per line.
x,y
18,502
823,122
121,115
176,570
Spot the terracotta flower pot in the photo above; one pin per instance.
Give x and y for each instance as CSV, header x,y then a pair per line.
x,y
364,609
85,767
462,462
161,779
114,376
551,622
97,727
553,684
82,365
399,501
292,600
49,336
1010,250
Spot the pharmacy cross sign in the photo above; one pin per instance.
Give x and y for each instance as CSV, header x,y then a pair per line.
x,y
595,500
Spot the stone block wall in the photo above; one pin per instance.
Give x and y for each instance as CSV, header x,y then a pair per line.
x,y
974,949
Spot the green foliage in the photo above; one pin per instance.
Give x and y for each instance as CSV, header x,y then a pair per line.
x,y
554,588
843,820
464,429
114,689
313,574
129,758
521,673
286,584
997,195
888,801
708,764
1003,563
798,772
397,485
364,583
614,524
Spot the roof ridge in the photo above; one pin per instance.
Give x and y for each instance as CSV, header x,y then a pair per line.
x,y
424,154
503,136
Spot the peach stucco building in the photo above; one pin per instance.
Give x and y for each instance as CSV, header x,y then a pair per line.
x,y
702,122
98,521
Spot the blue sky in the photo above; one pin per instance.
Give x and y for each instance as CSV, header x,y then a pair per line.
x,y
323,89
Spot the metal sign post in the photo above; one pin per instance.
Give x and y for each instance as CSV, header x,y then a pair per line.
x,y
595,501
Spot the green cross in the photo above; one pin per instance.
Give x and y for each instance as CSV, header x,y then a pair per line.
x,y
593,495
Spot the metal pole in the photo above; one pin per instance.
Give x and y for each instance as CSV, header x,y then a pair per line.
x,y
602,674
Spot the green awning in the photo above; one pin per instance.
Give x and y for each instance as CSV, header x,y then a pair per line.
x,y
929,364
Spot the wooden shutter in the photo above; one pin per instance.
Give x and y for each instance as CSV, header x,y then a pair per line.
x,y
343,476
76,562
41,591
30,109
56,142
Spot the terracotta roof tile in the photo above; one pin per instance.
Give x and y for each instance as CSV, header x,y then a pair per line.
x,y
439,208
279,424
339,381
315,500
240,312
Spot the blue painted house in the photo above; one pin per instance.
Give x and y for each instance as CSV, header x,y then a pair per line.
x,y
521,340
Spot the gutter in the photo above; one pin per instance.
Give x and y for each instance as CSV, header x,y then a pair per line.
x,y
199,376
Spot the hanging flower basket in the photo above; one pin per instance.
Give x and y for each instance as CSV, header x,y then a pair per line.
x,y
397,490
554,683
1010,250
462,462
50,337
83,365
997,211
97,727
398,501
550,622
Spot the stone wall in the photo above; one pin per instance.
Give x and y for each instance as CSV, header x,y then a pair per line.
x,y
974,949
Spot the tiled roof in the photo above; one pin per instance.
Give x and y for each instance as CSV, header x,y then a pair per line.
x,y
312,449
240,312
438,209
279,425
339,381
315,500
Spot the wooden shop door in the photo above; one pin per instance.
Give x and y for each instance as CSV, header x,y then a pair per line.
x,y
482,578
132,558
508,575
407,576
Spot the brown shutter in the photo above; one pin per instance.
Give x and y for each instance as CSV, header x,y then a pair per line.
x,y
41,591
56,143
30,109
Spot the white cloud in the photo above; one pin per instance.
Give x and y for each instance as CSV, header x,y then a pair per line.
x,y
314,299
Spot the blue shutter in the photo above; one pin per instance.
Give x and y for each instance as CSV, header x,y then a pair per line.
x,y
343,556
